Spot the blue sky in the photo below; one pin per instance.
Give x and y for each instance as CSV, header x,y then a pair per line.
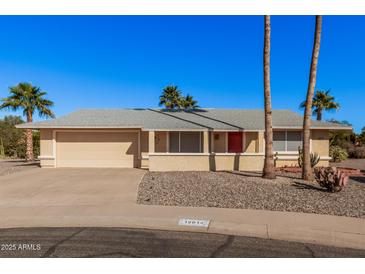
x,y
125,61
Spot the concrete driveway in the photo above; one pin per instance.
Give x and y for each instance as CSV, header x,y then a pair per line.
x,y
65,187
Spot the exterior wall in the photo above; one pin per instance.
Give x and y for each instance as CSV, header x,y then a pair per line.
x,y
237,162
320,142
219,144
224,162
205,162
251,143
320,145
219,160
286,163
144,149
294,163
46,148
252,163
260,142
161,141
144,143
179,162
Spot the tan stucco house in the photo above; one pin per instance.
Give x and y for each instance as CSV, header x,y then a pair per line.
x,y
162,140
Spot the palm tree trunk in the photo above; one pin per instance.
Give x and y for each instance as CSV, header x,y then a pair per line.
x,y
29,139
269,169
319,115
307,173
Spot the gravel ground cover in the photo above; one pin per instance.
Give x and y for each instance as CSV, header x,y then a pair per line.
x,y
9,166
250,191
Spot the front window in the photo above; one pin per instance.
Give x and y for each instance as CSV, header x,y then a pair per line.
x,y
287,140
188,142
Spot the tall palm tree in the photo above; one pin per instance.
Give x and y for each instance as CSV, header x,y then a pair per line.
x,y
322,100
28,98
307,173
170,97
269,168
188,102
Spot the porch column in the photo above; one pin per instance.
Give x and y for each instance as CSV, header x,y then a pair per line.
x,y
260,142
205,141
212,141
151,142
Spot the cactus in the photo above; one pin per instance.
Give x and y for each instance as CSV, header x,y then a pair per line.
x,y
315,158
331,178
2,150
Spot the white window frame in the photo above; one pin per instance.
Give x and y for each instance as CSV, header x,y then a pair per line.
x,y
286,142
169,145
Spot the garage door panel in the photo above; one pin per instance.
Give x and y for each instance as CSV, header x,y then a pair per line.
x,y
97,149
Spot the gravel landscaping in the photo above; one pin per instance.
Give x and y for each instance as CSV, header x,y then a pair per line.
x,y
250,191
9,166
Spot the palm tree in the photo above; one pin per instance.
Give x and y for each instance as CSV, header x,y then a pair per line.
x,y
170,97
269,168
188,102
307,173
28,98
322,100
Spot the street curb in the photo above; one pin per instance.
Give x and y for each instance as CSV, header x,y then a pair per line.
x,y
328,230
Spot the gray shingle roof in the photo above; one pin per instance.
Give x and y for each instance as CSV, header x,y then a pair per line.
x,y
157,119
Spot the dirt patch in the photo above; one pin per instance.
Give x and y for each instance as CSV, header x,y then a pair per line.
x,y
9,166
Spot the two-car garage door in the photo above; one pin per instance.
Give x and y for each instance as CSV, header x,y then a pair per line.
x,y
97,149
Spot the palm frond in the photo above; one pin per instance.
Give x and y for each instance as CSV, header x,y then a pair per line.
x,y
29,98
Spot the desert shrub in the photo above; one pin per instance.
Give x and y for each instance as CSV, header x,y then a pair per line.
x,y
12,139
361,138
342,139
357,152
331,178
338,154
314,158
36,143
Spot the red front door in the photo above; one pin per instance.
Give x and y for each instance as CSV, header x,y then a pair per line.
x,y
235,142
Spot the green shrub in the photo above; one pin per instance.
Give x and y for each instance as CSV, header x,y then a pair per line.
x,y
314,158
338,154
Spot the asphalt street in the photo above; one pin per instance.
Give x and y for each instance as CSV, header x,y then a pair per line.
x,y
142,243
